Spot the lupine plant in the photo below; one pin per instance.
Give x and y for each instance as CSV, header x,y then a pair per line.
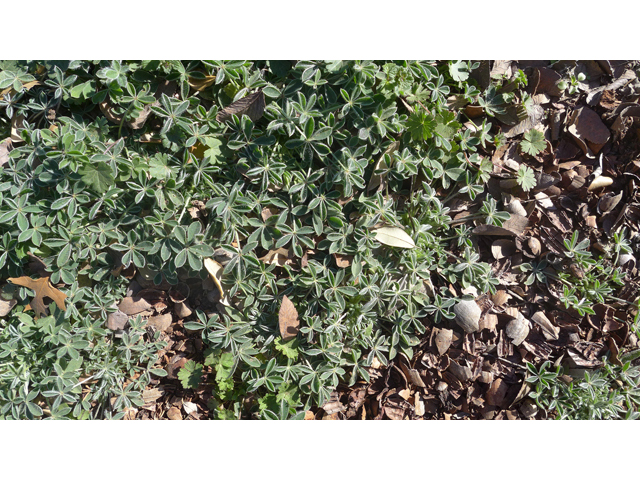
x,y
108,155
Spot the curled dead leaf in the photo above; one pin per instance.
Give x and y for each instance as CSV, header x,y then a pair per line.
x,y
215,272
106,109
17,125
134,305
6,306
343,261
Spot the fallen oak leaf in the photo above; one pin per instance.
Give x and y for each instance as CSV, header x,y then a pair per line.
x,y
42,288
288,320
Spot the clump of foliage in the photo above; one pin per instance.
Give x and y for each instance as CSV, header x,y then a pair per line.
x,y
109,155
612,392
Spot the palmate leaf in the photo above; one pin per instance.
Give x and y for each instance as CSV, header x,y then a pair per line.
x,y
251,105
190,374
533,142
526,179
97,176
158,167
459,71
420,125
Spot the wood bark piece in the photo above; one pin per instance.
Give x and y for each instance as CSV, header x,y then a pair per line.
x,y
443,340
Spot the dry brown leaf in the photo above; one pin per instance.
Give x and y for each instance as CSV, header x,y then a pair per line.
x,y
516,224
288,320
138,122
153,394
42,288
534,116
6,306
497,392
269,212
492,230
502,248
251,105
343,261
587,125
174,414
280,257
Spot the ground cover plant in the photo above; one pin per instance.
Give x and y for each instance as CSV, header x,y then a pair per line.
x,y
312,239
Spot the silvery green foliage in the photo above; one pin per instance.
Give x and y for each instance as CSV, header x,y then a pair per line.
x,y
114,153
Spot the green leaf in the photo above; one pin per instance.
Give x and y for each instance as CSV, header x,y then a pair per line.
x,y
526,179
97,176
533,142
158,167
290,393
446,125
459,71
420,125
224,368
288,349
190,374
